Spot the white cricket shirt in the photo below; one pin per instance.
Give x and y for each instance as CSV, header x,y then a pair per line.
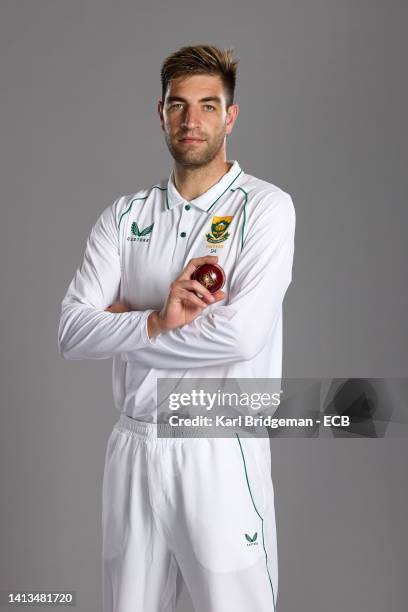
x,y
140,244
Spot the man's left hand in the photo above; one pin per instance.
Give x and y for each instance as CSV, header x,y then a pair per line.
x,y
118,307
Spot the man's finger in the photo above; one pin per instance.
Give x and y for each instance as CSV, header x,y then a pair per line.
x,y
191,298
118,307
198,288
218,295
193,264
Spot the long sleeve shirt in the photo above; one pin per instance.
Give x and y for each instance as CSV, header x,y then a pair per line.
x,y
140,244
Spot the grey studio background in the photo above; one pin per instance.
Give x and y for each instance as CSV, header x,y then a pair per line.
x,y
323,103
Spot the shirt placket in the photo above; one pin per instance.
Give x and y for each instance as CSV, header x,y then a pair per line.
x,y
187,217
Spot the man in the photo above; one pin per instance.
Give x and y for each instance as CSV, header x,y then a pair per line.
x,y
201,506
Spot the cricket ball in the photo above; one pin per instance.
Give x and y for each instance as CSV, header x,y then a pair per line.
x,y
211,276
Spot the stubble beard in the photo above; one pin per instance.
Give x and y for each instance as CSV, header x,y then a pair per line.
x,y
190,158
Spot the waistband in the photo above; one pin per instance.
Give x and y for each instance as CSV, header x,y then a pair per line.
x,y
153,431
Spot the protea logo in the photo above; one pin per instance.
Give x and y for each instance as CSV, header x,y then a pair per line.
x,y
252,541
140,235
219,228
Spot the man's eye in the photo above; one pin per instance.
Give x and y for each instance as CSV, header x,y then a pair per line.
x,y
209,107
175,105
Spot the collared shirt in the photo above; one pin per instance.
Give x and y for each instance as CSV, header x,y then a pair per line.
x,y
141,243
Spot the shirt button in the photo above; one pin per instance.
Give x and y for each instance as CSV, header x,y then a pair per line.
x,y
187,207
183,234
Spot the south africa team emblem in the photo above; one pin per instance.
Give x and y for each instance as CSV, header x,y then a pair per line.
x,y
219,227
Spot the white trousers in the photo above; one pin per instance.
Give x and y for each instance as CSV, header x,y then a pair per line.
x,y
201,506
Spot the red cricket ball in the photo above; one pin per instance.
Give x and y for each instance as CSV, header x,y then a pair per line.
x,y
211,276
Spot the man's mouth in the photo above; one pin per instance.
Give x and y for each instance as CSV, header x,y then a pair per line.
x,y
190,139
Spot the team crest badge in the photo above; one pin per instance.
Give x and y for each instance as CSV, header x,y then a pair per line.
x,y
219,227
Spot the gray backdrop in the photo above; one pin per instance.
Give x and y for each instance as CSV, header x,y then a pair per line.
x,y
323,115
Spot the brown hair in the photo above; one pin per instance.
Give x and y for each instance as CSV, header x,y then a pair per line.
x,y
201,59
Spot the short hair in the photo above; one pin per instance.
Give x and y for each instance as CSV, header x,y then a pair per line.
x,y
201,59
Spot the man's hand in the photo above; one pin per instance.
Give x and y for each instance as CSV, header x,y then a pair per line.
x,y
183,304
118,307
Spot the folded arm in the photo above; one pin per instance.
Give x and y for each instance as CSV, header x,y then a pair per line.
x,y
86,331
238,329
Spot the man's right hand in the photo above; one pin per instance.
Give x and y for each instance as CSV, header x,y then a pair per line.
x,y
183,304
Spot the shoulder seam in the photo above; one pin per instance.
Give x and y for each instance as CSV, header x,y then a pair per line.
x,y
133,199
244,212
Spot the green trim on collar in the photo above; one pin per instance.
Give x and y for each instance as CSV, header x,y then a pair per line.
x,y
240,172
167,196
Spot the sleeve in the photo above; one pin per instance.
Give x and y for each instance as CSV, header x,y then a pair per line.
x,y
237,330
85,330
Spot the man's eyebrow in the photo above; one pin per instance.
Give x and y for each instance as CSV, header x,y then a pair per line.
x,y
170,99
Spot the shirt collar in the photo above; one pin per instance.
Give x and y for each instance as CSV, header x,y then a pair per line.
x,y
206,200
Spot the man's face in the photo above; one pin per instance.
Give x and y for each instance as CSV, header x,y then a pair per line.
x,y
195,119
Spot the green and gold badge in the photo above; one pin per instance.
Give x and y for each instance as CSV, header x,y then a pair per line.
x,y
219,227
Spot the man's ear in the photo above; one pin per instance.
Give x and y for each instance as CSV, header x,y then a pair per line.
x,y
160,113
232,114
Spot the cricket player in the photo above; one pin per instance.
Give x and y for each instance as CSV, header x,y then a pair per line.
x,y
197,505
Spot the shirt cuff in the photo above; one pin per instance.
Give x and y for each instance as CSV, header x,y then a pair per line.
x,y
147,341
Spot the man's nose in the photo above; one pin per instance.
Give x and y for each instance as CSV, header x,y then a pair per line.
x,y
191,118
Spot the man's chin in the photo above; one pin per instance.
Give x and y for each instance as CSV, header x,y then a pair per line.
x,y
193,163
192,158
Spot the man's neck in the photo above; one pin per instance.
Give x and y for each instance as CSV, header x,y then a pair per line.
x,y
192,182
